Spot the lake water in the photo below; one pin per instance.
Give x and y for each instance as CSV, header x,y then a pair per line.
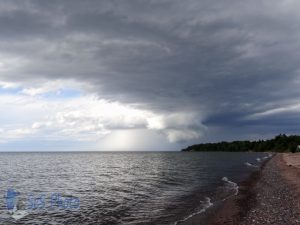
x,y
117,187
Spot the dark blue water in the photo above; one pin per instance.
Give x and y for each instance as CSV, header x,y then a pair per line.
x,y
117,188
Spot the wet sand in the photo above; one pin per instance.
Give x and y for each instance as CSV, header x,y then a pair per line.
x,y
270,196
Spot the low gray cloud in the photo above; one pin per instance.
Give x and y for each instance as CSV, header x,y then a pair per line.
x,y
225,62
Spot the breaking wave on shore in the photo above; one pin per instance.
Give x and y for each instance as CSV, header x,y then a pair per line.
x,y
231,186
224,191
228,190
251,165
206,204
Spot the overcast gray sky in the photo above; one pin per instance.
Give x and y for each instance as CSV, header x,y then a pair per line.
x,y
146,75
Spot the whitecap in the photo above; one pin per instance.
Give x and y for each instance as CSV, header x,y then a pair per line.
x,y
250,165
232,185
205,205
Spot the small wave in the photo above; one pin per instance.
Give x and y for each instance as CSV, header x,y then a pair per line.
x,y
258,159
232,185
250,165
205,205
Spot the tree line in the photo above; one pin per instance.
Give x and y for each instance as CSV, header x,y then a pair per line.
x,y
281,143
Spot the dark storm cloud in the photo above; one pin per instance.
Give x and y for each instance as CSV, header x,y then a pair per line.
x,y
224,60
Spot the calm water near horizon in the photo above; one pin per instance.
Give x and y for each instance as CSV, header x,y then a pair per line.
x,y
118,187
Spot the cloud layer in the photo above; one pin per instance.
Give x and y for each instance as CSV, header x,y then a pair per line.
x,y
189,70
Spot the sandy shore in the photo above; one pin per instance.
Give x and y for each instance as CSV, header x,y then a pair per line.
x,y
269,196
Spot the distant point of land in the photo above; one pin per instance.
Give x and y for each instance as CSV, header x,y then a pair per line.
x,y
280,143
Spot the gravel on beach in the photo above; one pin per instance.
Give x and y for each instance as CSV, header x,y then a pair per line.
x,y
276,201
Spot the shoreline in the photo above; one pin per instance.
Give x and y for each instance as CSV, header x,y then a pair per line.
x,y
271,195
234,208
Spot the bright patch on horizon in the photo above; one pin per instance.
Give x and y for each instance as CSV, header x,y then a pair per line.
x,y
54,112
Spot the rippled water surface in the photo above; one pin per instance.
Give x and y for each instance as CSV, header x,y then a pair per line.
x,y
119,188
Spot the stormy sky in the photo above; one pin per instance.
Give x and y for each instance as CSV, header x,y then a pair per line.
x,y
146,75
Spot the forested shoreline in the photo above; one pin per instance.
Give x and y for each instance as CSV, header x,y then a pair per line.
x,y
280,143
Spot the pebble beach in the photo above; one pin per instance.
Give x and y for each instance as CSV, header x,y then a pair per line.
x,y
277,199
271,197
